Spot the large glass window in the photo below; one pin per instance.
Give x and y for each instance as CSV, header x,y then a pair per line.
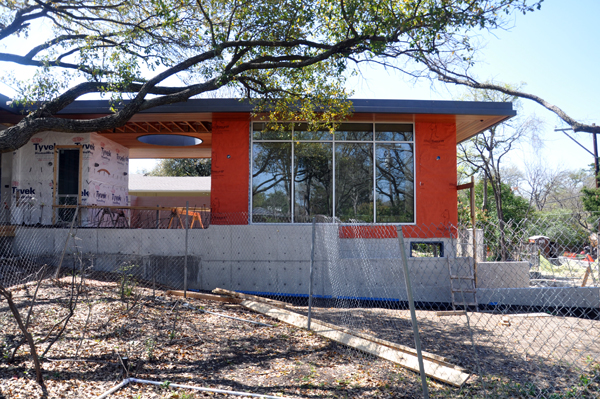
x,y
364,172
271,182
354,182
395,183
313,180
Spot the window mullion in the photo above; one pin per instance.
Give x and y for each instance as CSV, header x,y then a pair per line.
x,y
293,182
333,170
374,180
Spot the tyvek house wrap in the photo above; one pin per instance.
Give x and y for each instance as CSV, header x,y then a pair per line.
x,y
33,176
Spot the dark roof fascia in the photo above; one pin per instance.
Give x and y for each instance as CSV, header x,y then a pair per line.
x,y
434,107
190,106
235,105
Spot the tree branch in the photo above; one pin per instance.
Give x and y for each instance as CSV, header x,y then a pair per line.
x,y
470,82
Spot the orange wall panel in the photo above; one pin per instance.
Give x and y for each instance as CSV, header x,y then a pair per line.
x,y
230,174
367,232
435,176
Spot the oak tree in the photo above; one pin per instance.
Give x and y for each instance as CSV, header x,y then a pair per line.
x,y
182,167
293,55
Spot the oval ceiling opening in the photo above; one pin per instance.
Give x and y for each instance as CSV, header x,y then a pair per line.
x,y
171,140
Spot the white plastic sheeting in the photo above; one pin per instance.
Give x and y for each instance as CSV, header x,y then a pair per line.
x,y
104,179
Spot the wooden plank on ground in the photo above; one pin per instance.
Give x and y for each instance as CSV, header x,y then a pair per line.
x,y
436,370
451,313
530,315
7,231
222,291
210,297
393,345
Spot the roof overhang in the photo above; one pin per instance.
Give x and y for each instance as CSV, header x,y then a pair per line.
x,y
194,118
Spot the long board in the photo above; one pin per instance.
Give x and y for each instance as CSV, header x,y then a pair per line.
x,y
441,372
199,295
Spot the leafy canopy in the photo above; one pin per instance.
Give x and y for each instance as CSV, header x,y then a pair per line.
x,y
515,207
182,167
291,55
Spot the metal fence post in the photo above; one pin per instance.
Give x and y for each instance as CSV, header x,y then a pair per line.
x,y
153,277
62,257
157,217
474,223
413,314
312,262
187,224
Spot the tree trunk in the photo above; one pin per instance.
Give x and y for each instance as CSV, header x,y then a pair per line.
x,y
496,188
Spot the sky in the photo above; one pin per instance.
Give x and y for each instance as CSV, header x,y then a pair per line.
x,y
555,52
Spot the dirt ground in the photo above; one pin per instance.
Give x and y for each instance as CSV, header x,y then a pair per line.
x,y
550,352
160,339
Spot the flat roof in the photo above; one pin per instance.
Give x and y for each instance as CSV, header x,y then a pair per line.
x,y
194,118
210,105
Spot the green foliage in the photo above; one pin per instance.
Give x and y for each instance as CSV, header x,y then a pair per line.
x,y
290,57
515,207
150,346
182,167
497,237
128,281
591,199
570,229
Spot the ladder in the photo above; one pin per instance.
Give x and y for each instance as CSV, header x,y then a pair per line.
x,y
462,285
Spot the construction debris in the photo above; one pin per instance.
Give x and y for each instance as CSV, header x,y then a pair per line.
x,y
239,295
198,295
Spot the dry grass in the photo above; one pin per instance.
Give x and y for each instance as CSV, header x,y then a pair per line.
x,y
165,341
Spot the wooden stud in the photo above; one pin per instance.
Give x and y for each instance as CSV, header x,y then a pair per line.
x,y
204,127
168,129
178,127
588,271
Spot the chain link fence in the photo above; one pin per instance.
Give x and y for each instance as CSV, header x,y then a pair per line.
x,y
502,309
520,318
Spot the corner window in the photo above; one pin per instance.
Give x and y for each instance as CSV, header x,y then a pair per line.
x,y
363,173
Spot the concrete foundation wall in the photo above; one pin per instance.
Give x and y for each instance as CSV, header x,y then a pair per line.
x,y
276,259
562,297
502,275
257,258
